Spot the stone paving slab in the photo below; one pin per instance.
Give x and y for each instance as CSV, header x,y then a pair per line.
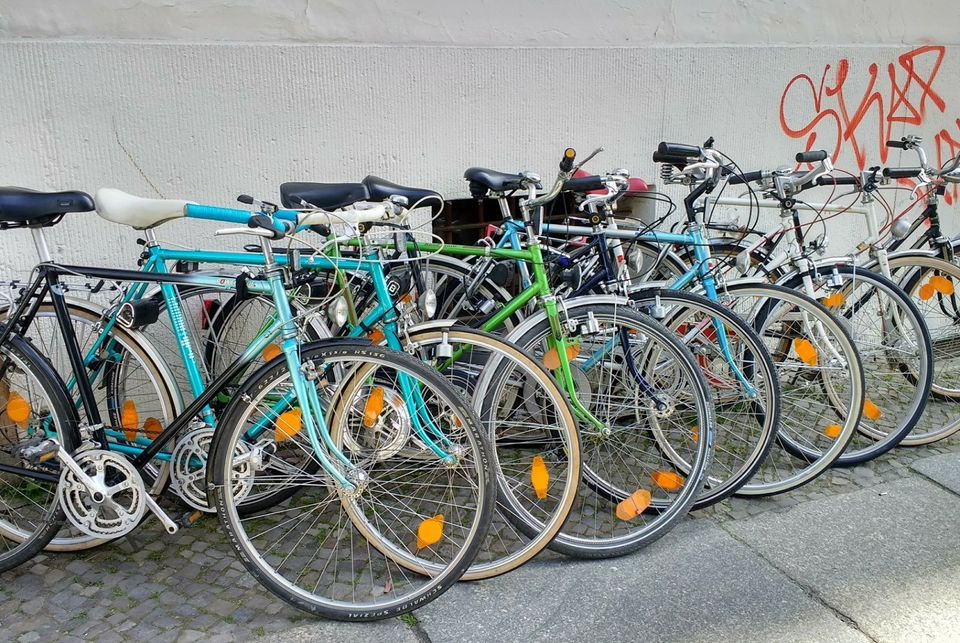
x,y
697,584
943,469
886,557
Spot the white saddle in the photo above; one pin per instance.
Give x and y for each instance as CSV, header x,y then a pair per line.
x,y
137,212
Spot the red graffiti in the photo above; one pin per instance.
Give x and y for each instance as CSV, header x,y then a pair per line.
x,y
841,113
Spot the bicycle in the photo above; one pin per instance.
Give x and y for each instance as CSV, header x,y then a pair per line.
x,y
77,461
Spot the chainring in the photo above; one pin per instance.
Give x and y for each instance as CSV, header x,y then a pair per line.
x,y
188,469
124,497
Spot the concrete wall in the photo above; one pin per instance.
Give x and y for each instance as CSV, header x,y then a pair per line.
x,y
123,93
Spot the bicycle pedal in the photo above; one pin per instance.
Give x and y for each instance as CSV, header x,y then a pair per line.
x,y
190,518
38,451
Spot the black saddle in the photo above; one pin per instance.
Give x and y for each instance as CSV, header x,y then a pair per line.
x,y
327,196
24,207
381,190
481,180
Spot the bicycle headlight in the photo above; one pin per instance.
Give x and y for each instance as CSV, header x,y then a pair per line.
x,y
428,303
338,311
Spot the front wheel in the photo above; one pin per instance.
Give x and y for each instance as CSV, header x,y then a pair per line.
x,y
640,382
34,406
348,555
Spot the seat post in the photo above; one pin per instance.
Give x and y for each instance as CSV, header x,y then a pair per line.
x,y
40,242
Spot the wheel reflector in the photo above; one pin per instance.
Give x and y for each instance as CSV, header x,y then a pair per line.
x,y
539,477
376,336
833,431
667,480
18,409
926,292
805,351
551,360
270,352
834,301
942,284
288,425
373,408
152,428
633,505
430,531
871,411
129,420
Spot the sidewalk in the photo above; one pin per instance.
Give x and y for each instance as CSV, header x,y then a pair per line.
x,y
869,554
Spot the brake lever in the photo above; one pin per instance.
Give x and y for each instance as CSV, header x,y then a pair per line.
x,y
584,161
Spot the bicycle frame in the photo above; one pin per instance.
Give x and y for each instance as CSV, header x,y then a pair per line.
x,y
700,271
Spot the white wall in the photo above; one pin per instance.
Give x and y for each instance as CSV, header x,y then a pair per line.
x,y
206,121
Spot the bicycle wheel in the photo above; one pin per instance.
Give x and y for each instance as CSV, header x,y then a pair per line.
x,y
334,553
930,283
744,382
821,382
534,435
35,407
894,346
633,375
132,386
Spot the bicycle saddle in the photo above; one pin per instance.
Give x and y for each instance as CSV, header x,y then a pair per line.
x,y
381,190
481,179
26,207
137,212
327,196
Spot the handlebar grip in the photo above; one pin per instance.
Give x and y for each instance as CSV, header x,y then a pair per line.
x,y
748,177
812,156
669,158
566,164
266,223
902,145
245,198
838,180
901,172
584,184
678,150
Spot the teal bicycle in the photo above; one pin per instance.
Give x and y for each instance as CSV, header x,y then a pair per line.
x,y
426,500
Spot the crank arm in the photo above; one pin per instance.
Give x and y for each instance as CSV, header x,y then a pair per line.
x,y
161,515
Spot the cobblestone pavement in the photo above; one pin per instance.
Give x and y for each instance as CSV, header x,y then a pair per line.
x,y
188,587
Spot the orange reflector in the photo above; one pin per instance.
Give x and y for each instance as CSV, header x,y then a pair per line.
x,y
942,285
270,352
406,298
376,336
833,431
373,408
288,425
152,428
871,411
667,480
926,292
633,505
430,531
805,351
18,409
833,301
129,420
552,359
695,434
539,477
